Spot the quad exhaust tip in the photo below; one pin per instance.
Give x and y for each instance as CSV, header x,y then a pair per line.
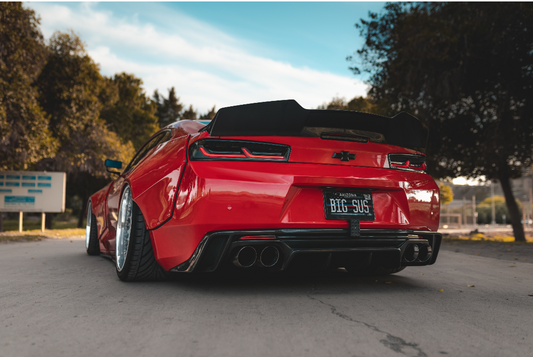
x,y
425,253
247,257
420,253
411,253
269,257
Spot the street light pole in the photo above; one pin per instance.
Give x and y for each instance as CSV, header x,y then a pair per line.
x,y
464,210
493,206
474,211
530,208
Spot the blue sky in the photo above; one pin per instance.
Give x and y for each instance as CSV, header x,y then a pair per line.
x,y
222,53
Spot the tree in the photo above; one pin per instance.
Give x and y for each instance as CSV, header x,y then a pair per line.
x,y
190,114
73,92
466,69
70,86
446,193
358,104
484,210
337,103
168,110
24,134
86,153
364,104
132,116
210,114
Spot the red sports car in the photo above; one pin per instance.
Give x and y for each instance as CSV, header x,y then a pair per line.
x,y
271,186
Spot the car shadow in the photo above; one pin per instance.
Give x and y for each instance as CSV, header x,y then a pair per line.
x,y
335,282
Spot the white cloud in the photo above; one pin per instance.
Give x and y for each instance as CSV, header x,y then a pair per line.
x,y
206,66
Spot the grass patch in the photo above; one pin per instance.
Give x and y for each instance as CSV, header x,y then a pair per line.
x,y
37,235
12,225
483,238
64,233
4,238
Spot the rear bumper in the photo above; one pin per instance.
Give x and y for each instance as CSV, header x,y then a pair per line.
x,y
318,248
221,197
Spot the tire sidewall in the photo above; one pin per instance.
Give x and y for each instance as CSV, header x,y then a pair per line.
x,y
139,263
93,246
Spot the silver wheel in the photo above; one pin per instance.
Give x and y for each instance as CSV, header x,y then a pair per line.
x,y
124,226
88,227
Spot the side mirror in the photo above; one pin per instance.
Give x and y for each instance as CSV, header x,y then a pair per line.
x,y
114,165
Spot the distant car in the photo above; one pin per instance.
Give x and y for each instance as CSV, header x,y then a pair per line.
x,y
271,186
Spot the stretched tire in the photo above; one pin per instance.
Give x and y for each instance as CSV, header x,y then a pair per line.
x,y
134,253
91,235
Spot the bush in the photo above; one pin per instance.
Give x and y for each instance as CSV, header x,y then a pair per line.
x,y
484,210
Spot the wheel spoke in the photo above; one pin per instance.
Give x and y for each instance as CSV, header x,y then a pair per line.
x,y
124,226
88,227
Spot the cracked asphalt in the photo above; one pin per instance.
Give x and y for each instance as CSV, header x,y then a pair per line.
x,y
57,301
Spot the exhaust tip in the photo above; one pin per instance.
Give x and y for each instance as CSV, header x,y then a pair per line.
x,y
411,253
245,257
425,253
269,257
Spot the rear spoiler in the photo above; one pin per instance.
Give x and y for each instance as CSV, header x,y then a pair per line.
x,y
288,118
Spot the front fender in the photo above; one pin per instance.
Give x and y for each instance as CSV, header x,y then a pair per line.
x,y
98,201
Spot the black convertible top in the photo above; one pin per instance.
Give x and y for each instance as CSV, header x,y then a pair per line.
x,y
288,118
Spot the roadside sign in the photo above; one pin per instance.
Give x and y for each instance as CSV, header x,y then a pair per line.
x,y
32,191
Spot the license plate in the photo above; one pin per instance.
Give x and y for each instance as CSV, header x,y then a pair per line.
x,y
349,205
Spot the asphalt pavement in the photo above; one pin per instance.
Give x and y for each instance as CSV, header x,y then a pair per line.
x,y
57,301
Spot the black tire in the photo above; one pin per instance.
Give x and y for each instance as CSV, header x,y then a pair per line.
x,y
92,245
373,271
140,263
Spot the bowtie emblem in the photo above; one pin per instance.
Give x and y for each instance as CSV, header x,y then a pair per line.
x,y
344,156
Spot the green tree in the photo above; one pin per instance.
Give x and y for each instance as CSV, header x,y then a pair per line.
x,y
466,69
86,152
364,104
210,114
168,109
73,92
70,85
190,114
24,134
337,103
358,104
133,115
446,193
484,210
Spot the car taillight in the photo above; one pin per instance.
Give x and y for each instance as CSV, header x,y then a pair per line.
x,y
238,150
410,162
343,137
261,236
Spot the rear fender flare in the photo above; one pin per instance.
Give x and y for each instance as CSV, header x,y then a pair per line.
x,y
157,202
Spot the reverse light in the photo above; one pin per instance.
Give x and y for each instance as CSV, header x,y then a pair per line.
x,y
238,150
408,162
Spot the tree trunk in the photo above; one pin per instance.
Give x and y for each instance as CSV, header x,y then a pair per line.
x,y
512,207
85,201
1,221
